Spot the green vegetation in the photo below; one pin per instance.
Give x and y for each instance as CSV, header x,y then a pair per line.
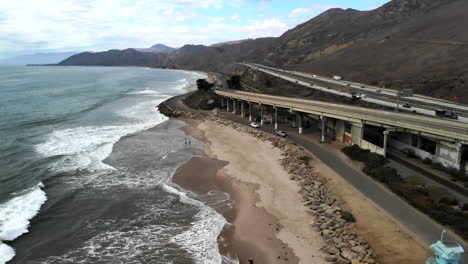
x,y
204,85
349,217
306,159
432,200
234,83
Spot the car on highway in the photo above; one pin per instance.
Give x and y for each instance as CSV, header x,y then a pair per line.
x,y
407,106
254,124
280,133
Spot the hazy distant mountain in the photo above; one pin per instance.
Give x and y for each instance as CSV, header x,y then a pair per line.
x,y
127,57
158,48
37,58
419,44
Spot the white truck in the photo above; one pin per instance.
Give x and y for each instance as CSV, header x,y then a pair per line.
x,y
338,78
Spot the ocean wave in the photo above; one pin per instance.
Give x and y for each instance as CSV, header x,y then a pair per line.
x,y
181,85
16,212
6,253
146,92
84,148
201,239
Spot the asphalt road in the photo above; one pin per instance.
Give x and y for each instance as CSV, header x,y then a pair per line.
x,y
367,88
385,97
423,226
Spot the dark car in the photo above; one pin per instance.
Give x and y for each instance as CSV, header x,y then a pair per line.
x,y
407,106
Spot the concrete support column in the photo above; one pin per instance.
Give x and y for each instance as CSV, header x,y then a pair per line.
x,y
276,117
340,129
357,133
227,104
222,102
385,142
242,109
299,118
261,114
250,111
234,106
419,142
324,129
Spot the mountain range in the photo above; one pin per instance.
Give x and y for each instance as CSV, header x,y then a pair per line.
x,y
419,44
37,58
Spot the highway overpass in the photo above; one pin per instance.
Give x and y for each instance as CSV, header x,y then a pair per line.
x,y
443,141
376,95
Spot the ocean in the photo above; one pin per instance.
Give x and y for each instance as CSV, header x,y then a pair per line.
x,y
86,166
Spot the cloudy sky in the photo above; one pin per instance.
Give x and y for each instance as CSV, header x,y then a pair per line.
x,y
29,26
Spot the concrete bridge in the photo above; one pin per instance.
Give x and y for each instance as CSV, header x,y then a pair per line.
x,y
440,140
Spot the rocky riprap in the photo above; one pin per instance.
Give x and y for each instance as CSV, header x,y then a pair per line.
x,y
343,244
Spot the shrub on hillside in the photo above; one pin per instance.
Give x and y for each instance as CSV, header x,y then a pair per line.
x,y
427,160
409,152
465,207
347,216
436,193
204,85
416,180
385,174
371,160
448,200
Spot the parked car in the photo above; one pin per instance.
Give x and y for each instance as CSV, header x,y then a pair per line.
x,y
280,133
254,124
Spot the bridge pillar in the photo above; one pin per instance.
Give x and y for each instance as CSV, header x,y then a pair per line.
x,y
357,133
340,130
324,129
234,106
222,102
227,104
276,117
250,111
299,119
385,142
449,154
242,109
419,142
261,114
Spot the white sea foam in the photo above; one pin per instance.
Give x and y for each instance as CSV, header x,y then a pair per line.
x,y
6,253
16,212
181,85
87,147
201,239
146,92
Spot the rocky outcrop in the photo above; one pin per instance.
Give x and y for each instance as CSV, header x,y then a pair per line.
x,y
343,245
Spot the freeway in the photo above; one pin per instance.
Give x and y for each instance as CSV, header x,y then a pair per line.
x,y
439,127
380,96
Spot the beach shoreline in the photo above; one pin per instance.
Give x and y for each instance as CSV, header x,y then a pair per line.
x,y
266,226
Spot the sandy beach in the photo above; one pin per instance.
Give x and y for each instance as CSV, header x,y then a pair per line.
x,y
270,224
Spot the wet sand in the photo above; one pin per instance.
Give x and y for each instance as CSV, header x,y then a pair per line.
x,y
269,222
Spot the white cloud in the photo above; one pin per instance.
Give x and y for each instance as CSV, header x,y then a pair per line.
x,y
105,24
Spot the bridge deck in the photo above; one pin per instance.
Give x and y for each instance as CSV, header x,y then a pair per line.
x,y
451,130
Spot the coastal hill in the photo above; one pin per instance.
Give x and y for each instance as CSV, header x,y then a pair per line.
x,y
405,43
158,48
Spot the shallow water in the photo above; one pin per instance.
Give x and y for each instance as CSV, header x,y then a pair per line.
x,y
87,147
